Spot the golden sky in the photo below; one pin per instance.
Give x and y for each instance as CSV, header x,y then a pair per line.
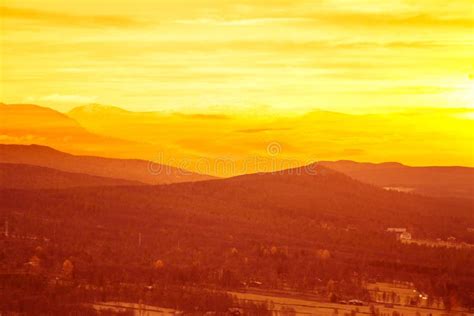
x,y
292,56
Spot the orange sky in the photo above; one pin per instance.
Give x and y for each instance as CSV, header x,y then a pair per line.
x,y
263,62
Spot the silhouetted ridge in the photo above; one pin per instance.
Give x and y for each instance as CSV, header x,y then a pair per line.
x,y
129,169
434,181
22,176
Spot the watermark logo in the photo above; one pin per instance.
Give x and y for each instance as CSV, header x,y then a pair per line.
x,y
274,149
271,160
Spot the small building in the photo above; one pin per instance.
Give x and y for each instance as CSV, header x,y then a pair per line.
x,y
398,230
405,236
401,233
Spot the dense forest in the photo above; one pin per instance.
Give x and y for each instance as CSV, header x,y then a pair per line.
x,y
320,233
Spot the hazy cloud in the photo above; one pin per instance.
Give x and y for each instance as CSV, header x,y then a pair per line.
x,y
260,130
66,19
242,22
64,98
374,19
204,116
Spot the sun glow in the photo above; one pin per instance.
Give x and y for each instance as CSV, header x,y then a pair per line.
x,y
468,93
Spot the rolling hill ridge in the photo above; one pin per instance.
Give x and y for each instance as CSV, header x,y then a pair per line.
x,y
22,176
127,169
433,181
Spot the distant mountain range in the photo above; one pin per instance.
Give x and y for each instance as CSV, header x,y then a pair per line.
x,y
214,137
134,170
175,137
33,124
433,181
21,176
319,190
